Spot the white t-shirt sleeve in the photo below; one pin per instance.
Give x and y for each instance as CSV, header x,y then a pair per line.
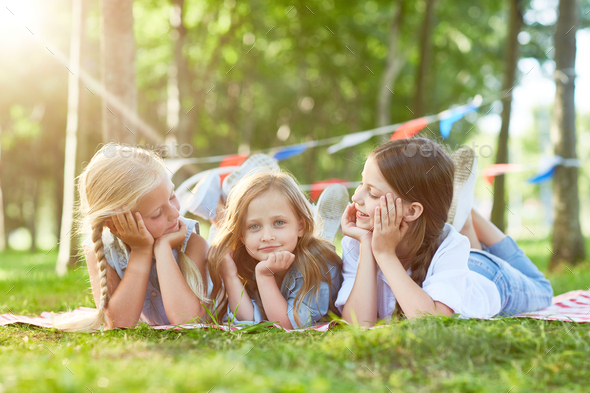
x,y
350,262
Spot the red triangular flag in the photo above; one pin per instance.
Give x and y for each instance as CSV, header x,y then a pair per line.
x,y
409,129
318,186
494,170
234,160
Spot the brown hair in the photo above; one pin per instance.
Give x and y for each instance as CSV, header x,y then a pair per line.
x,y
313,256
420,170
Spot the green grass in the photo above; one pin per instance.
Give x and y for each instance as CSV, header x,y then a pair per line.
x,y
426,355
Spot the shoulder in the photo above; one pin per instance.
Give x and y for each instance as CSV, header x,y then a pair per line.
x,y
453,248
196,245
450,239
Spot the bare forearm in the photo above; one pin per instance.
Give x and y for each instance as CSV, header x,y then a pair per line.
x,y
126,303
180,302
361,306
275,305
238,298
412,299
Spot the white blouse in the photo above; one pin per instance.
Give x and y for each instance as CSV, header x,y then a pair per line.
x,y
448,280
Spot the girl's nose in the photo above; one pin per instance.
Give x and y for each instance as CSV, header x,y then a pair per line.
x,y
173,214
267,235
355,198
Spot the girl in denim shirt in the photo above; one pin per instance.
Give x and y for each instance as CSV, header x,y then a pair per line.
x,y
266,245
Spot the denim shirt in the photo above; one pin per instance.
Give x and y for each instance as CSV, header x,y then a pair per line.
x,y
312,308
117,256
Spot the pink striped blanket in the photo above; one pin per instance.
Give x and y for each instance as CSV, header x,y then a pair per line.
x,y
569,307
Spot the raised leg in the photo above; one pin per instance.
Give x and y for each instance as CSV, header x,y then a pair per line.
x,y
487,233
469,231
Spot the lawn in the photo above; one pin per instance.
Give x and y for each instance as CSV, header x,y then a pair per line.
x,y
426,355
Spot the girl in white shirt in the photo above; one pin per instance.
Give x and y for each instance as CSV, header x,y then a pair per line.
x,y
406,193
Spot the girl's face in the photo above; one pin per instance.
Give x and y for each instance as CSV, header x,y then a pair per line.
x,y
271,226
366,197
159,209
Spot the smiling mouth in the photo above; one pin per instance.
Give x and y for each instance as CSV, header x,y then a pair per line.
x,y
270,248
173,226
361,214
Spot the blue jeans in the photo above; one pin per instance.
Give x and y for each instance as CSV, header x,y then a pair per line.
x,y
522,286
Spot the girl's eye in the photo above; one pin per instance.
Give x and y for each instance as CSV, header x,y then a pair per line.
x,y
253,226
373,196
279,222
155,217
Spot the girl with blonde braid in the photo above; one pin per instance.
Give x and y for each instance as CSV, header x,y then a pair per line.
x,y
146,263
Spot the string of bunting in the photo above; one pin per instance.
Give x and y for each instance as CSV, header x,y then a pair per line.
x,y
399,131
545,168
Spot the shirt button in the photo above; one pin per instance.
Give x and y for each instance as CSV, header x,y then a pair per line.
x,y
154,294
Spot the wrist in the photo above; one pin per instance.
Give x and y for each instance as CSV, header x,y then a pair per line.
x,y
230,276
161,247
142,250
263,272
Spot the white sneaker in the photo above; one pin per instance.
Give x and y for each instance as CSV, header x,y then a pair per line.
x,y
330,207
465,162
206,196
255,164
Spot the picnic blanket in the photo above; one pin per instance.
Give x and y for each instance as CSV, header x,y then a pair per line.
x,y
569,307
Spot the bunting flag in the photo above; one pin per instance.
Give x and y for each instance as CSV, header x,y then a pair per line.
x,y
499,169
454,115
351,140
319,186
409,128
289,151
547,167
233,160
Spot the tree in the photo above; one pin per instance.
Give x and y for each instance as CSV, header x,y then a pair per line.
x,y
120,121
425,59
2,232
394,65
567,239
67,221
516,22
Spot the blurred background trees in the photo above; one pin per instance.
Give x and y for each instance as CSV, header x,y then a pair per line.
x,y
234,77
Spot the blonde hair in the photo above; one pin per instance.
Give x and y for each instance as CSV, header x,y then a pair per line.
x,y
312,255
118,175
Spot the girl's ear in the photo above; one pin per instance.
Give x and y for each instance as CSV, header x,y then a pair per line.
x,y
301,230
413,211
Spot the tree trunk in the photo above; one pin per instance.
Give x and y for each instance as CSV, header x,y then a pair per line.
x,y
67,221
499,206
118,71
567,241
425,51
393,67
2,229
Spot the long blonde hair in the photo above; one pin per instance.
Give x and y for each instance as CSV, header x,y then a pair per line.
x,y
118,175
312,255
